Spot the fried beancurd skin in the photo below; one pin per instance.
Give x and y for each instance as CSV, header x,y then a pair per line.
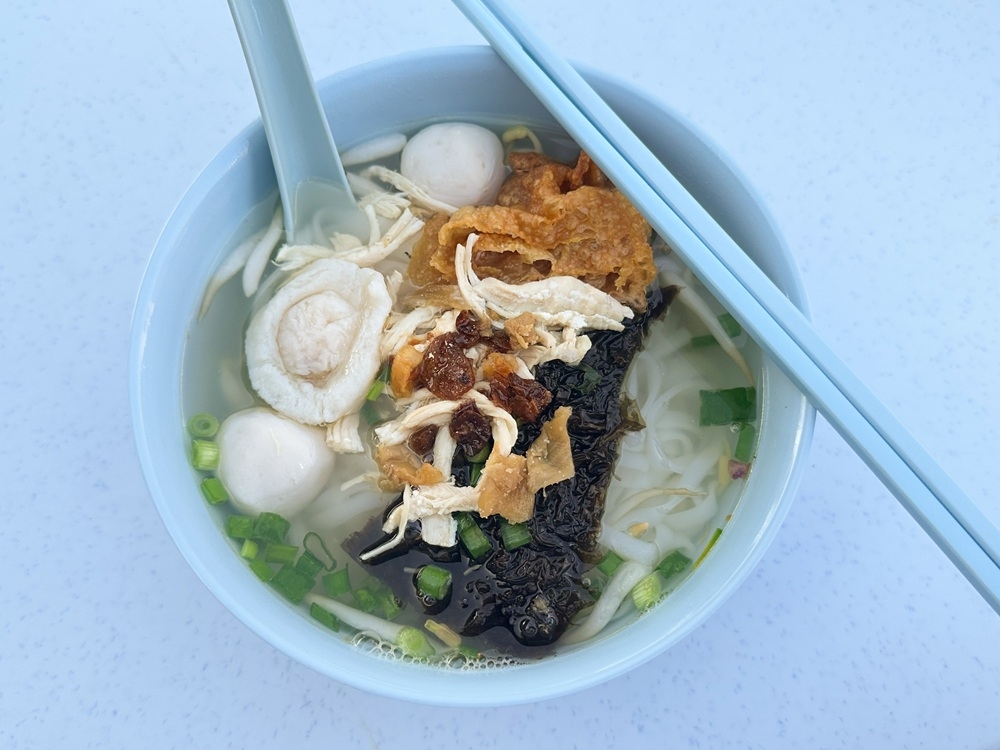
x,y
400,466
550,220
550,457
504,488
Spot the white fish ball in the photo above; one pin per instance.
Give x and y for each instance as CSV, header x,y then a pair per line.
x,y
268,462
455,162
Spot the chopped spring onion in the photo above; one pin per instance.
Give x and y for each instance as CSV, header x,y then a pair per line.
x,y
474,474
213,491
249,549
370,413
282,554
414,643
308,563
292,583
729,324
514,535
203,426
366,600
647,592
337,583
434,582
674,563
239,527
391,606
377,387
322,545
728,406
327,618
476,543
711,543
204,454
610,563
261,569
744,443
480,458
270,527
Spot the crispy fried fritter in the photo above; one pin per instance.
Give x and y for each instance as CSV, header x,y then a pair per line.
x,y
550,220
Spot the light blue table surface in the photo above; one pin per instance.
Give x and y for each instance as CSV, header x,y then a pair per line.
x,y
872,130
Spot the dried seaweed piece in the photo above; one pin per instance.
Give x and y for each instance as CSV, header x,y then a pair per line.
x,y
521,602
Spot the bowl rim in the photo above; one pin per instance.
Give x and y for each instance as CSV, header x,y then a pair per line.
x,y
576,670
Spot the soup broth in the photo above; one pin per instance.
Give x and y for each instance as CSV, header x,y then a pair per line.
x,y
674,485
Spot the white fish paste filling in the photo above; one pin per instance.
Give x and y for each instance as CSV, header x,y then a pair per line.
x,y
313,350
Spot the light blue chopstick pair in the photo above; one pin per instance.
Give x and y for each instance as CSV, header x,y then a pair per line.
x,y
944,511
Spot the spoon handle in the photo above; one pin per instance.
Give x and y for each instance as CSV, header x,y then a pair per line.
x,y
310,175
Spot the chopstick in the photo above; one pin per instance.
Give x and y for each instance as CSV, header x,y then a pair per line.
x,y
943,510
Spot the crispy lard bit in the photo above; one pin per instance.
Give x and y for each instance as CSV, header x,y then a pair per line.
x,y
504,488
471,429
404,371
445,370
550,220
524,399
550,457
522,330
401,466
422,269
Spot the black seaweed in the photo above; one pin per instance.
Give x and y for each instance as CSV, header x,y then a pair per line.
x,y
522,601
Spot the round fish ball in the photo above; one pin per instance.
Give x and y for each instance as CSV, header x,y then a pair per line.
x,y
270,463
455,162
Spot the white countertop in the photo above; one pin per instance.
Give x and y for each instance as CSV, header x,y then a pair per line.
x,y
870,129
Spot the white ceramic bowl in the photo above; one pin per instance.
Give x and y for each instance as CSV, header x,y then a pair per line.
x,y
402,93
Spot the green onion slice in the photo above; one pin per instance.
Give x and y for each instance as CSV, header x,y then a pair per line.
x,y
337,583
610,563
476,542
728,406
514,535
213,491
270,527
239,527
434,582
647,592
744,443
204,454
674,563
327,618
282,554
203,425
322,545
